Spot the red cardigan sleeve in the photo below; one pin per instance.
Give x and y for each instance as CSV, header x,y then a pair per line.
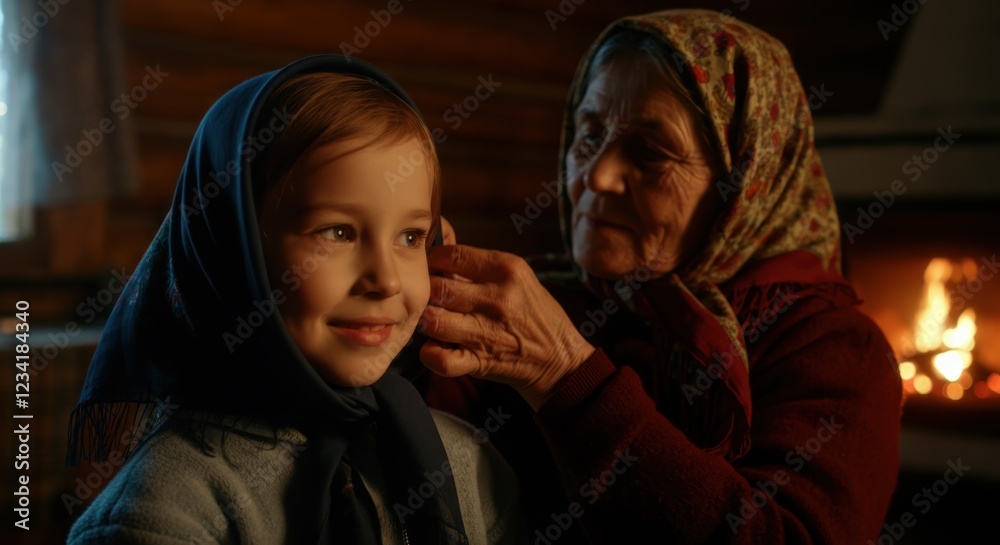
x,y
822,466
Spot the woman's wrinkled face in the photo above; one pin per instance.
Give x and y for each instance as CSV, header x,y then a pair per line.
x,y
640,182
346,244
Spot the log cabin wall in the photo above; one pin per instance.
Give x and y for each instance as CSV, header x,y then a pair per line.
x,y
495,152
493,159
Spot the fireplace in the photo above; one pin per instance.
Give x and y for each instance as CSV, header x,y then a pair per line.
x,y
938,354
929,275
920,217
922,253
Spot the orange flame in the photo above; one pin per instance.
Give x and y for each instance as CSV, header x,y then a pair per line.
x,y
951,346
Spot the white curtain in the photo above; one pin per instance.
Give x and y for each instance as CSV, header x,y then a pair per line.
x,y
65,136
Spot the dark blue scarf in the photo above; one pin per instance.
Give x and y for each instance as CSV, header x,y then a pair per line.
x,y
197,325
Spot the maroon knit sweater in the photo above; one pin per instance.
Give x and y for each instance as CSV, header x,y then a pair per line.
x,y
600,460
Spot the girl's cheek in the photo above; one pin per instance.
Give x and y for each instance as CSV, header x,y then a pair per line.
x,y
417,285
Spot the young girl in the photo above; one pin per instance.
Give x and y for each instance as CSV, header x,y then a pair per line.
x,y
259,332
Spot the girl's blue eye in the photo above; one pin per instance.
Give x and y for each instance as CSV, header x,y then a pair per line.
x,y
414,238
339,233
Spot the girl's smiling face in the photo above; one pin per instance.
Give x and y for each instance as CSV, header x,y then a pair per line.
x,y
345,239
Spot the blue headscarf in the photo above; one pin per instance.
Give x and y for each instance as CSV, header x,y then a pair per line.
x,y
197,326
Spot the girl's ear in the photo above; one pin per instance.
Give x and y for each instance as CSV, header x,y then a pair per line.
x,y
445,233
438,236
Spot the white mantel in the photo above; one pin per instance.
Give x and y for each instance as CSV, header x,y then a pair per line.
x,y
947,75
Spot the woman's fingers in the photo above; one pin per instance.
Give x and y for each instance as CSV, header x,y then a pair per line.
x,y
501,324
448,361
460,295
475,264
449,238
452,327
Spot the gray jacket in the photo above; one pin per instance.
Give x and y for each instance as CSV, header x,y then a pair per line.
x,y
171,492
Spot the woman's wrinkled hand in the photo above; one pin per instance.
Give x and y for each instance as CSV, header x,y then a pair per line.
x,y
490,317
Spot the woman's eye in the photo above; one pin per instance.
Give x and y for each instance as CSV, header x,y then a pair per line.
x,y
414,238
650,151
586,148
591,137
339,233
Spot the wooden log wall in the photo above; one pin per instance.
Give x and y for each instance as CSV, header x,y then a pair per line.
x,y
498,156
491,160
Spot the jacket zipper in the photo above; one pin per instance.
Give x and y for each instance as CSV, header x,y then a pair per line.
x,y
406,536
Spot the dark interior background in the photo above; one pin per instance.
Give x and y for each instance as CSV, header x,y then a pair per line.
x,y
503,151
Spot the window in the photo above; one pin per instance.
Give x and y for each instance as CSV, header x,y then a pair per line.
x,y
13,218
6,230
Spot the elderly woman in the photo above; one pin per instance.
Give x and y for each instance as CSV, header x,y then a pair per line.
x,y
697,370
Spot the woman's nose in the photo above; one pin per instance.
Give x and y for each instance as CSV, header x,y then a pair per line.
x,y
379,277
607,170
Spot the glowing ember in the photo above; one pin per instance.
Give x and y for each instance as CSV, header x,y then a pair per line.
x,y
963,335
934,308
942,345
922,384
949,365
954,391
994,382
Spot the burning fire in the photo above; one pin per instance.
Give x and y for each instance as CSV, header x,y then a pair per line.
x,y
945,352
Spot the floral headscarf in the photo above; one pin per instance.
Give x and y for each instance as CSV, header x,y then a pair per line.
x,y
776,196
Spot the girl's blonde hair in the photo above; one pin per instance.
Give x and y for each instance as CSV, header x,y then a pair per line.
x,y
327,107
